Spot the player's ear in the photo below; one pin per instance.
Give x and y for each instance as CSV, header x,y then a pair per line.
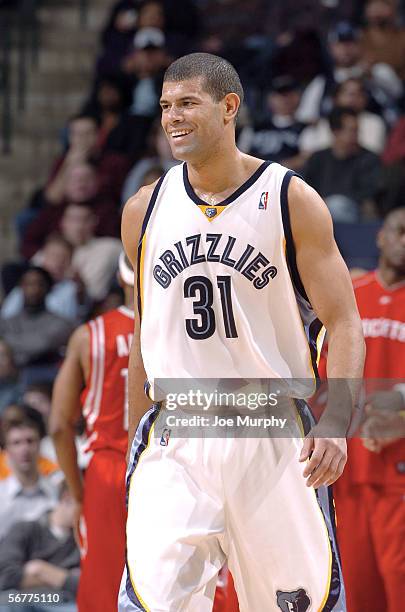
x,y
231,106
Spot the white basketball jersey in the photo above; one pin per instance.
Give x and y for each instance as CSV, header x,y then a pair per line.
x,y
219,291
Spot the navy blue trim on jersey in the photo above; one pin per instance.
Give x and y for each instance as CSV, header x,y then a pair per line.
x,y
313,333
248,183
146,218
336,599
139,444
316,325
290,247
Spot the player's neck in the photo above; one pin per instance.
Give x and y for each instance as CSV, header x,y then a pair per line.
x,y
389,275
220,172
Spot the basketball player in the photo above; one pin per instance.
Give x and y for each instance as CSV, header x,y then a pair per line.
x,y
370,495
226,249
92,382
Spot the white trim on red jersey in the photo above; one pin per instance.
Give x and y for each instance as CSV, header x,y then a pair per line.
x,y
91,409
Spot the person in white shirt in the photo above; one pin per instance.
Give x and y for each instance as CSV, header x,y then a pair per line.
x,y
372,130
25,494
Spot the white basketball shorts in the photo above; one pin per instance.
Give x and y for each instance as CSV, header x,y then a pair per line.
x,y
195,503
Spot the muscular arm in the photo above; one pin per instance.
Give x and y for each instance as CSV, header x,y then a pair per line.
x,y
66,408
132,220
327,283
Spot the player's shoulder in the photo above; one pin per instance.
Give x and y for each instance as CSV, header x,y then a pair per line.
x,y
79,339
364,281
308,213
136,205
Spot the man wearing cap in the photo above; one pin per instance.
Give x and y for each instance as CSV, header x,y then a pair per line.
x,y
92,384
276,135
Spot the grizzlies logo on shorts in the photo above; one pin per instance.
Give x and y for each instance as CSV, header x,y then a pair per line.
x,y
293,601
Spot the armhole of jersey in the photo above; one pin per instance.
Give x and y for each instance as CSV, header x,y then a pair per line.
x,y
289,241
146,218
315,326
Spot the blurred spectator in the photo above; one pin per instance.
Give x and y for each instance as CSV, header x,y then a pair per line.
x,y
395,150
46,464
84,145
80,187
276,136
350,94
288,15
117,36
42,553
95,259
391,193
38,396
303,43
10,389
66,297
119,131
229,26
157,155
383,39
25,494
345,175
383,84
144,66
164,16
36,336
108,105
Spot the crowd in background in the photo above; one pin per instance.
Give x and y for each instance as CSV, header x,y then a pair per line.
x,y
325,95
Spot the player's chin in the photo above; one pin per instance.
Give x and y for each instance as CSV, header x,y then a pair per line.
x,y
183,152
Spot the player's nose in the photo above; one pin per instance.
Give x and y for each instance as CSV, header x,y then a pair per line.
x,y
175,114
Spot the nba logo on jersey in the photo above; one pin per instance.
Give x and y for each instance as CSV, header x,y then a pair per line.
x,y
164,440
211,212
263,200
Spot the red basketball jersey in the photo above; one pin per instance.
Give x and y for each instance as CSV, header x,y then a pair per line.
x,y
382,311
104,400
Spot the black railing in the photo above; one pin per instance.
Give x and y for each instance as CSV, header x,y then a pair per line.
x,y
19,37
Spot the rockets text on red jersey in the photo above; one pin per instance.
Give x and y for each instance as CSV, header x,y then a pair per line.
x,y
382,311
104,400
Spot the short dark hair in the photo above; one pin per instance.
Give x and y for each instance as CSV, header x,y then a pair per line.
x,y
16,416
42,272
338,114
220,77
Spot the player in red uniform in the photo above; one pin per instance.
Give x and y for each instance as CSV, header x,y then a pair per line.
x,y
370,496
92,382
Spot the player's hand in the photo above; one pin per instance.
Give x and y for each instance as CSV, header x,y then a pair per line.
x,y
384,400
77,513
326,459
381,427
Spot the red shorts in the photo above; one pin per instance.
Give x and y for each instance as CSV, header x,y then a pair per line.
x,y
102,532
371,537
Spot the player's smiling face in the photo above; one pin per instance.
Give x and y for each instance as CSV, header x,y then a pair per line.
x,y
191,119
